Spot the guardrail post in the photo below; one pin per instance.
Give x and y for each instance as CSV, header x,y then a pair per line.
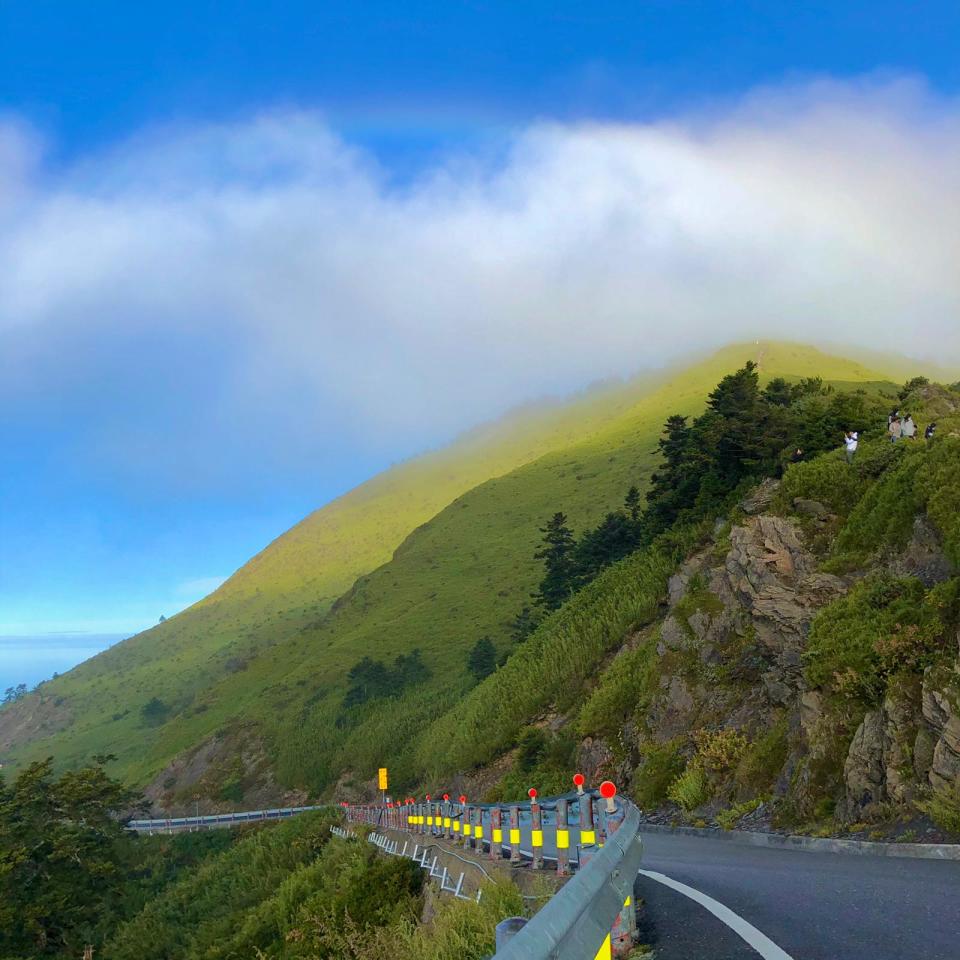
x,y
622,934
478,830
447,820
536,832
563,838
588,835
496,833
514,834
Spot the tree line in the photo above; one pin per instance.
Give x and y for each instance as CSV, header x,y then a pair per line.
x,y
746,433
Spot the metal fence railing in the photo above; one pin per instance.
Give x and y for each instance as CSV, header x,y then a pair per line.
x,y
591,834
205,822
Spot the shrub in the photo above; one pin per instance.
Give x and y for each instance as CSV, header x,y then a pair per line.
x,y
154,712
690,789
719,751
943,808
938,486
883,519
531,747
859,640
764,759
728,818
829,479
661,765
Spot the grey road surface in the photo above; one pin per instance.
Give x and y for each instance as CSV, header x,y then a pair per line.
x,y
814,906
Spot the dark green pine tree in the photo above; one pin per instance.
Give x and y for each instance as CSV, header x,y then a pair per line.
x,y
615,538
559,580
779,393
524,623
482,659
736,427
673,487
736,394
631,503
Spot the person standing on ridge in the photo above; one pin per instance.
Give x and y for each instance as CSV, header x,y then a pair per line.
x,y
929,432
909,429
850,440
895,429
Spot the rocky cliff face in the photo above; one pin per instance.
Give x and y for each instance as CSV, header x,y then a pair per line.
x,y
730,658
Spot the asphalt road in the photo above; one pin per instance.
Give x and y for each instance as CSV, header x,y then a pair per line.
x,y
813,906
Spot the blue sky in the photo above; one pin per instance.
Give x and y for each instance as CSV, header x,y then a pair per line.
x,y
255,253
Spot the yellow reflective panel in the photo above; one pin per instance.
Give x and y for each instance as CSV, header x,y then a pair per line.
x,y
456,826
536,838
446,822
514,836
604,953
627,902
429,821
497,835
467,830
587,837
563,839
479,831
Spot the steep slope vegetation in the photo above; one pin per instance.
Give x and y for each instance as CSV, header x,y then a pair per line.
x,y
255,675
288,585
802,668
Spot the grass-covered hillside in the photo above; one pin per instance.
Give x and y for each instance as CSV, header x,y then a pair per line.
x,y
258,672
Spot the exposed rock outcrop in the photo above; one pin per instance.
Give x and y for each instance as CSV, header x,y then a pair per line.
x,y
33,716
923,557
226,771
941,713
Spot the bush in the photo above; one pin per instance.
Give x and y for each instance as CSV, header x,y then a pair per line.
x,y
690,790
763,760
938,486
719,751
728,818
154,712
857,642
883,519
661,765
944,808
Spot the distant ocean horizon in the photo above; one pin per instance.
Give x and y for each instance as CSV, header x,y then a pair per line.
x,y
31,658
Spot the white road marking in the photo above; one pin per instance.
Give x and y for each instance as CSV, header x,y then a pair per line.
x,y
746,931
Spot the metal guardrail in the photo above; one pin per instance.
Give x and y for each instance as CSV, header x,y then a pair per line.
x,y
215,820
593,916
585,913
420,856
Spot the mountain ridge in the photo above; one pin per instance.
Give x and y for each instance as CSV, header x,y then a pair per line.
x,y
254,681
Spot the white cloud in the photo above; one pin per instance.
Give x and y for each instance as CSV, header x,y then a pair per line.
x,y
247,290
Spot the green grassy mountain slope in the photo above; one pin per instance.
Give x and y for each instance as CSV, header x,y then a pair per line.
x,y
266,651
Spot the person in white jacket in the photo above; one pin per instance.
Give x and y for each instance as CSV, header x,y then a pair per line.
x,y
851,440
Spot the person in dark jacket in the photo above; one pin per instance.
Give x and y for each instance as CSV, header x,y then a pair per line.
x,y
929,432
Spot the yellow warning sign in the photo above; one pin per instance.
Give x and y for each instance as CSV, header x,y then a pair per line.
x,y
382,778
